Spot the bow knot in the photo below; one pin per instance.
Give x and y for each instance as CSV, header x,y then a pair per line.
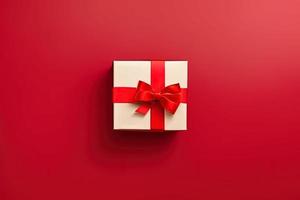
x,y
157,95
169,97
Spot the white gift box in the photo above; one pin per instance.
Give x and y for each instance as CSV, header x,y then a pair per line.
x,y
126,76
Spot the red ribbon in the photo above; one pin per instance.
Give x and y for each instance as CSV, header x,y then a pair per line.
x,y
169,97
156,96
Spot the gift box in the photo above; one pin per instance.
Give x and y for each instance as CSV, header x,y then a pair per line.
x,y
150,95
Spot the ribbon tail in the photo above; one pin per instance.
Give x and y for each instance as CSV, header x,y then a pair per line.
x,y
143,108
170,106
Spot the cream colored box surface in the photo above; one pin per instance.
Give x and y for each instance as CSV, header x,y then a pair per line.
x,y
127,74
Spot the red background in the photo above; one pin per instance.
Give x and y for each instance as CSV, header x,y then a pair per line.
x,y
56,138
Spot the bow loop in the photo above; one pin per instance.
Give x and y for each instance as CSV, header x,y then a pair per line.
x,y
169,98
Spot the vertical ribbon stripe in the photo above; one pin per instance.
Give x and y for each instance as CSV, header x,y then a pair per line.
x,y
158,83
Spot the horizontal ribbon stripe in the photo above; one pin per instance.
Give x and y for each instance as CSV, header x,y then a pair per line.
x,y
123,94
127,94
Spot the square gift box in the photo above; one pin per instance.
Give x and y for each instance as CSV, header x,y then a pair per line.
x,y
150,95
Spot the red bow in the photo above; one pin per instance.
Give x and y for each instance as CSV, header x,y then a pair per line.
x,y
169,97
